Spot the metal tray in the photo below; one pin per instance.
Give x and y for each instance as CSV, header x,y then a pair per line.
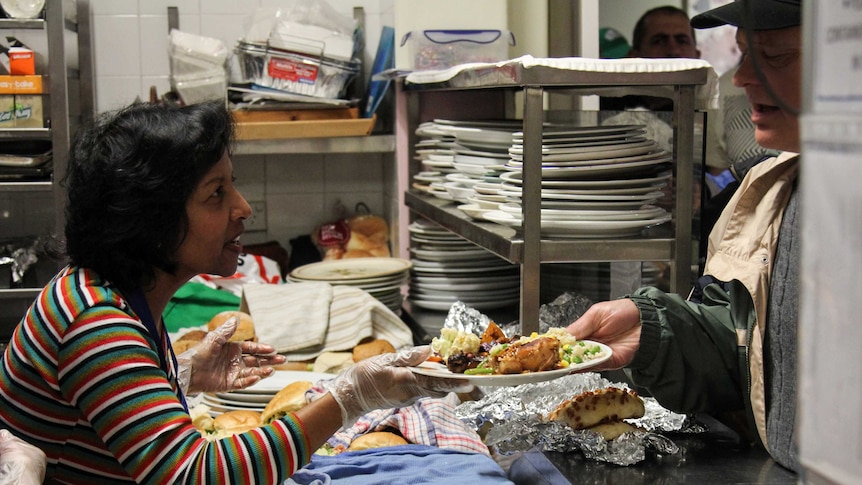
x,y
24,153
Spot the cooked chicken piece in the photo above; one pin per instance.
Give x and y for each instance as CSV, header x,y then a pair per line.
x,y
534,356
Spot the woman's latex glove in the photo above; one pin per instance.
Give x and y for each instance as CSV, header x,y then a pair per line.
x,y
217,365
20,462
382,382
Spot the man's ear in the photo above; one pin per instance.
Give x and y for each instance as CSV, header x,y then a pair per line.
x,y
632,53
698,53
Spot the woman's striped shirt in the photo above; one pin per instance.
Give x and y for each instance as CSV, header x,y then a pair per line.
x,y
81,380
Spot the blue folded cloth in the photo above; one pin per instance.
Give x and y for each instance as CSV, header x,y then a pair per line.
x,y
534,468
401,465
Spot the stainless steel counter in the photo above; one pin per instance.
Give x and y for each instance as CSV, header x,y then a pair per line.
x,y
703,459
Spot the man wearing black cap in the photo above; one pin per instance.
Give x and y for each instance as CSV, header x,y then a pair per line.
x,y
730,348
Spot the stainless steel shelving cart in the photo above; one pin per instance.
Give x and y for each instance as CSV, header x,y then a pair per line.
x,y
68,98
489,91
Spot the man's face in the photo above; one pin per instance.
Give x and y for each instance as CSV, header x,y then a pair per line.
x,y
778,54
667,35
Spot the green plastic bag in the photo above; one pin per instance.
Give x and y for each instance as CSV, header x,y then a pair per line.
x,y
194,304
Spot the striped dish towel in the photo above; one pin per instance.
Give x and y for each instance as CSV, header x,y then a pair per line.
x,y
293,324
289,317
428,421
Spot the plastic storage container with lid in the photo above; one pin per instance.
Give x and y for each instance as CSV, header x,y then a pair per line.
x,y
441,49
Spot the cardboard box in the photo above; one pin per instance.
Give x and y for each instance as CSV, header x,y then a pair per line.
x,y
22,61
28,111
7,111
21,85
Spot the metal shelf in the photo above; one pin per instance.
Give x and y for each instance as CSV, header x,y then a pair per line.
x,y
36,186
31,24
655,244
526,247
25,134
57,107
19,293
344,144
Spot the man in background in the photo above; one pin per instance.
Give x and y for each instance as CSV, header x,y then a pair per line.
x,y
665,32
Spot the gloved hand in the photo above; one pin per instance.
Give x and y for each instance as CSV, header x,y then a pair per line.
x,y
20,462
217,365
382,382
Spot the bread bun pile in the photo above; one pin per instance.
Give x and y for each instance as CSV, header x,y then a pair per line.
x,y
369,237
188,340
287,400
602,411
225,424
371,348
376,439
360,236
244,329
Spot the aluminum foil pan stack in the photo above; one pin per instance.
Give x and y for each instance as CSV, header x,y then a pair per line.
x,y
270,67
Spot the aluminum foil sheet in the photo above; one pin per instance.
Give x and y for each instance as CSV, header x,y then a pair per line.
x,y
466,319
564,310
511,419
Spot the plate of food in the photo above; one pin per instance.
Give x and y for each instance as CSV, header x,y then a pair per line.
x,y
497,360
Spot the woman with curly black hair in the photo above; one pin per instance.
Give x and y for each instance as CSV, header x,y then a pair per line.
x,y
89,376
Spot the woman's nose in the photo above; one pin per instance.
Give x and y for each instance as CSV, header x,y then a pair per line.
x,y
242,210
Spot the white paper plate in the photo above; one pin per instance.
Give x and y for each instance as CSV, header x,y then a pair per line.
x,y
435,369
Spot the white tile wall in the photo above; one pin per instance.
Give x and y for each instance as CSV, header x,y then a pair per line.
x,y
131,55
130,37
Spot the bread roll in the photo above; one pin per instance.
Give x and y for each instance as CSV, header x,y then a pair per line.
x,y
188,340
376,439
201,419
372,348
613,430
234,422
596,407
287,400
194,335
373,230
244,330
181,346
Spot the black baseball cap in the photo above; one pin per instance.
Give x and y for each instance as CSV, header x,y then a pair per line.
x,y
752,15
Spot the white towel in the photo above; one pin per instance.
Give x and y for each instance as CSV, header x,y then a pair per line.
x,y
291,316
304,320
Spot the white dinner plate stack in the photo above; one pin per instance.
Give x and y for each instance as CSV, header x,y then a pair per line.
x,y
382,278
597,182
256,397
457,155
434,151
448,268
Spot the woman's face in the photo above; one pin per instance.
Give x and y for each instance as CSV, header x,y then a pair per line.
x,y
216,211
779,58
